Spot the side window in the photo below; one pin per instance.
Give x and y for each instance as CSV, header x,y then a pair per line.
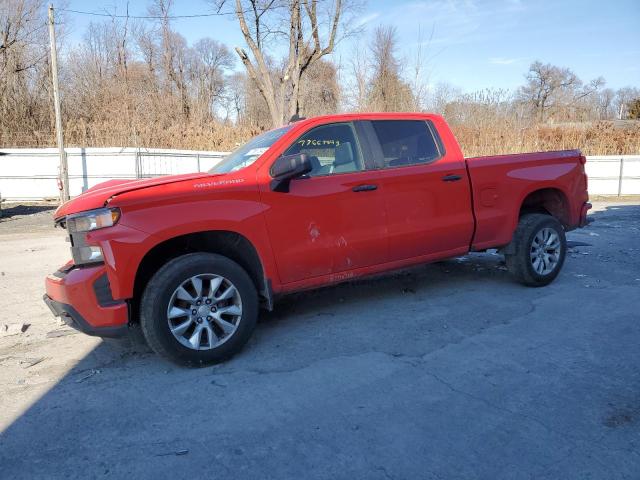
x,y
332,149
406,142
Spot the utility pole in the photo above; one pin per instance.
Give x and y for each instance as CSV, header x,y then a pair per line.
x,y
64,169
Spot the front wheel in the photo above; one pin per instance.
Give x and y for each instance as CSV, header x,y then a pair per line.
x,y
539,249
199,309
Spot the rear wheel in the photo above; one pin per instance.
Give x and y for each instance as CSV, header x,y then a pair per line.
x,y
539,250
199,309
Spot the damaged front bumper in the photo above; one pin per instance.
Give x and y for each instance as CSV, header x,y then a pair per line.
x,y
82,299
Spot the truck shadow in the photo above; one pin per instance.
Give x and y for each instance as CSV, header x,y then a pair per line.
x,y
401,285
122,410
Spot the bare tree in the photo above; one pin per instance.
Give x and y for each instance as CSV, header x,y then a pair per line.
x,y
387,90
234,101
360,71
356,73
210,60
551,87
174,53
148,48
21,27
545,82
301,23
319,95
624,97
24,72
605,108
441,95
320,91
420,79
139,82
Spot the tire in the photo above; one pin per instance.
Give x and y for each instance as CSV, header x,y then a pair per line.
x,y
170,301
534,262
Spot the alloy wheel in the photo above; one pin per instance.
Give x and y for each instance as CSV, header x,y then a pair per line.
x,y
204,311
545,251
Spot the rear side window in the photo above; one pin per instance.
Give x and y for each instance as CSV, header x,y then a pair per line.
x,y
406,142
331,148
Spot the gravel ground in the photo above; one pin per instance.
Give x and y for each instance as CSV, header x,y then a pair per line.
x,y
448,370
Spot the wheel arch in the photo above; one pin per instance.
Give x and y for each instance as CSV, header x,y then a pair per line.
x,y
549,200
230,244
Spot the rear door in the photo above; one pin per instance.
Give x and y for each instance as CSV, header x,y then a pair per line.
x,y
332,220
426,190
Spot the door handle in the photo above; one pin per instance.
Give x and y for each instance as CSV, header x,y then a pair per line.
x,y
451,178
364,188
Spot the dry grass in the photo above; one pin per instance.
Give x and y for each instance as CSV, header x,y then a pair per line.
x,y
216,136
593,139
602,138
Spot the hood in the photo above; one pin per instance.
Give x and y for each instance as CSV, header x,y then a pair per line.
x,y
98,195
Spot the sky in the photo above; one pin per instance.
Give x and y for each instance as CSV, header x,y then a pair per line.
x,y
471,44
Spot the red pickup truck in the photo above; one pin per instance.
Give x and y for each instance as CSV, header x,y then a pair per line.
x,y
192,258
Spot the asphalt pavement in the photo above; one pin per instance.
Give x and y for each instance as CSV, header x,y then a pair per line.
x,y
449,370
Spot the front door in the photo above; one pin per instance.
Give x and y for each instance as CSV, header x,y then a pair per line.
x,y
333,219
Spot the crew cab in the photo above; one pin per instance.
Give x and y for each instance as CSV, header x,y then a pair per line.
x,y
192,258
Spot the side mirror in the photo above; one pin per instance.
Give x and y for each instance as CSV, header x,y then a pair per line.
x,y
287,168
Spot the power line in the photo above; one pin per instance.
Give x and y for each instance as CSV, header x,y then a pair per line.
x,y
147,17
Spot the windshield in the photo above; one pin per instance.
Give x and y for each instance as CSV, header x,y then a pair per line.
x,y
249,152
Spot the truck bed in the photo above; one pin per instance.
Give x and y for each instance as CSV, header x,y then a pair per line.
x,y
502,183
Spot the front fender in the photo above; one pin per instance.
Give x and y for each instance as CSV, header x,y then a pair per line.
x,y
143,227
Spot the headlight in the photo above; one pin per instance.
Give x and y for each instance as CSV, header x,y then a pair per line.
x,y
86,255
80,224
93,220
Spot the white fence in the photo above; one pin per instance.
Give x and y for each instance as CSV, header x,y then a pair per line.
x,y
614,174
31,174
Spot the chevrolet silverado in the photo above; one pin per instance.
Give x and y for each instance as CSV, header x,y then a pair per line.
x,y
190,259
